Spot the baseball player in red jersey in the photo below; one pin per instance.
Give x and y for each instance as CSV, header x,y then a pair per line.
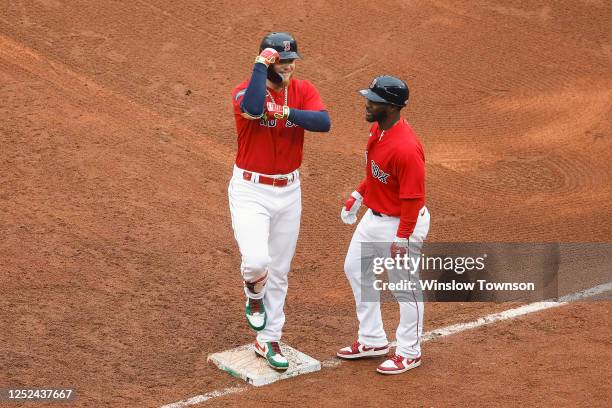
x,y
272,109
394,192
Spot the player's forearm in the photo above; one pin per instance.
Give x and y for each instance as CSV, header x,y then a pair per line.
x,y
409,214
314,121
255,95
362,187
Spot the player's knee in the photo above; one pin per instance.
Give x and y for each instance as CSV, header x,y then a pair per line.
x,y
350,266
347,264
254,267
403,296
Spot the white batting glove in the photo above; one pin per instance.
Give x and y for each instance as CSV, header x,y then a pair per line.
x,y
349,211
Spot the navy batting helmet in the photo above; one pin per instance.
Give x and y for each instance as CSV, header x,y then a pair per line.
x,y
387,89
284,43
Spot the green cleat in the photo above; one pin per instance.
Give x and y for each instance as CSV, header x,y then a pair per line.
x,y
271,351
256,314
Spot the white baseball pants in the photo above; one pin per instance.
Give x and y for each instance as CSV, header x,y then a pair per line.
x,y
372,229
266,224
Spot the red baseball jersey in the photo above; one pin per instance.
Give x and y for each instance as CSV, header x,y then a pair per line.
x,y
395,168
274,146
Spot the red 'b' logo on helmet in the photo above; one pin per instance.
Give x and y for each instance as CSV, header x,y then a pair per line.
x,y
287,45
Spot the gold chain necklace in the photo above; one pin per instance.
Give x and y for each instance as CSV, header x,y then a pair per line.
x,y
272,98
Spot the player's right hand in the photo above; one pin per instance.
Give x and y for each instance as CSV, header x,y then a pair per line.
x,y
268,56
275,111
399,247
349,211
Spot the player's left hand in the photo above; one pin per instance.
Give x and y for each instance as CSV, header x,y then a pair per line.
x,y
276,111
399,247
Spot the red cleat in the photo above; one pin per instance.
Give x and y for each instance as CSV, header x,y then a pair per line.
x,y
358,350
398,364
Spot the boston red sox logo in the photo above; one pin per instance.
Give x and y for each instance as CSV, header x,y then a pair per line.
x,y
287,45
378,174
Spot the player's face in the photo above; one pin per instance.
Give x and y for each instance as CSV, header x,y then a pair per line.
x,y
375,112
285,69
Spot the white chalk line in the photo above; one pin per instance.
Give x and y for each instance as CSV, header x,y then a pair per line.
x,y
198,399
430,335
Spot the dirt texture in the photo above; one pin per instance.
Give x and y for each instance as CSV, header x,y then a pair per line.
x,y
119,273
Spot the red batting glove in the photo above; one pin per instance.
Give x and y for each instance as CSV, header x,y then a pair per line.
x,y
276,111
268,57
348,214
399,247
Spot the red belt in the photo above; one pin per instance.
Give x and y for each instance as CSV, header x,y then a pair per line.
x,y
281,181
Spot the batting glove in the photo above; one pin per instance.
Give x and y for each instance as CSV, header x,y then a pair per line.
x,y
268,57
399,247
349,211
275,111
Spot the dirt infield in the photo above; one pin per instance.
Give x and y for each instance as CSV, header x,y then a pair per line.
x,y
118,268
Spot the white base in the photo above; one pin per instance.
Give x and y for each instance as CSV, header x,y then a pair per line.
x,y
242,362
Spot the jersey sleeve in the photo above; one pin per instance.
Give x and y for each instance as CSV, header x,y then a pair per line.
x,y
410,170
237,96
410,208
311,99
362,188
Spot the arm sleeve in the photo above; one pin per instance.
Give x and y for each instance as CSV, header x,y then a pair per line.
x,y
255,95
315,121
409,215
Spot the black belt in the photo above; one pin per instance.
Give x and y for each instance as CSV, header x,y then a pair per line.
x,y
376,213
